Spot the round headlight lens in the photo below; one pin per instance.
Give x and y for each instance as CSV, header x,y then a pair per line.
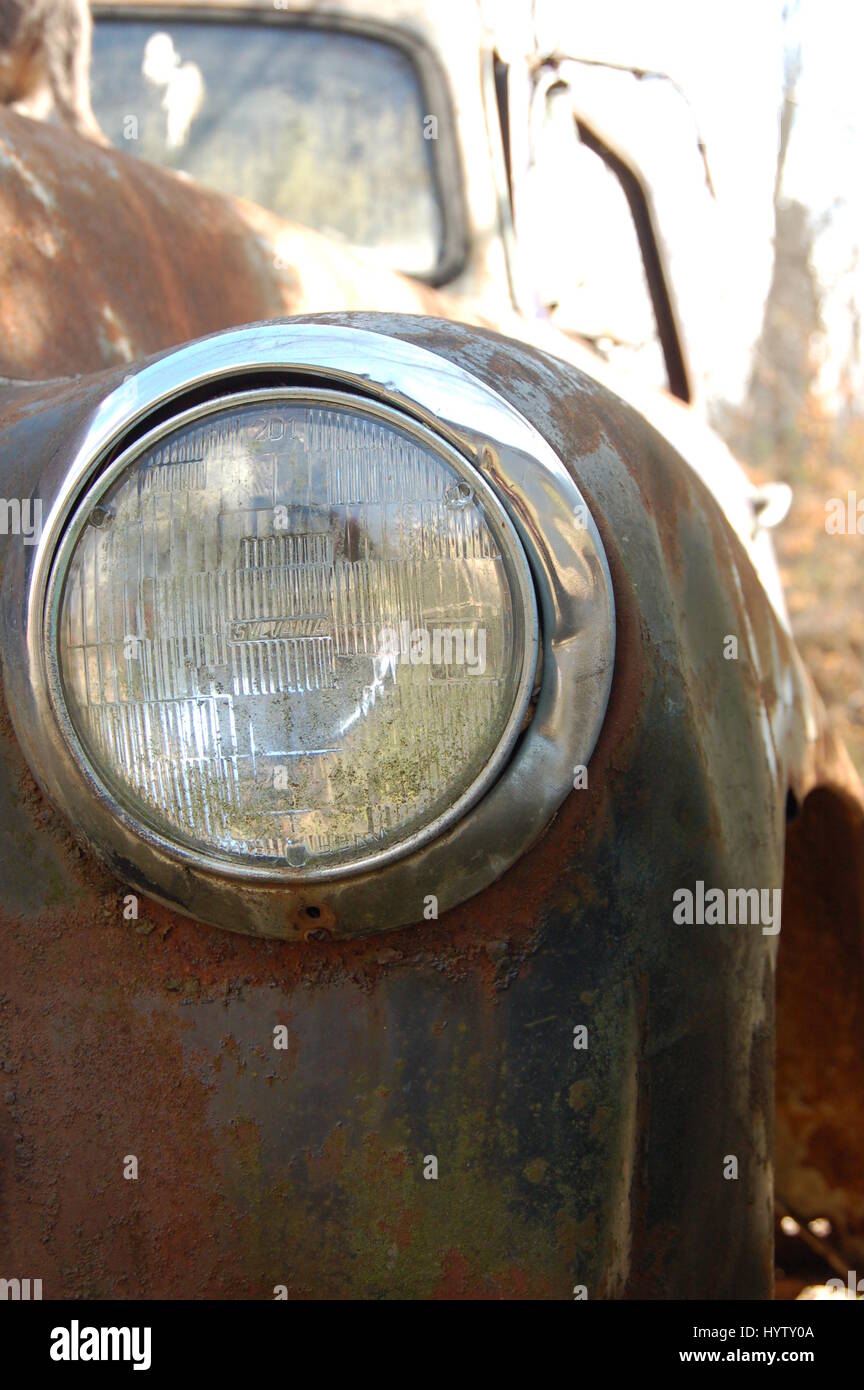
x,y
295,630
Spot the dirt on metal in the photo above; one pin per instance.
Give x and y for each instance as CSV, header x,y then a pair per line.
x,y
152,1036
85,290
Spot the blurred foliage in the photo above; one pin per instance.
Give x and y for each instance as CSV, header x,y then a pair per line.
x,y
824,573
785,433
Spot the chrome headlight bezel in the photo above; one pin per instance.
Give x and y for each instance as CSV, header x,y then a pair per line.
x,y
521,588
457,855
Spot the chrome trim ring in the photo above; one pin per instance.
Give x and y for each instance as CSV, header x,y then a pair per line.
x,y
521,589
571,580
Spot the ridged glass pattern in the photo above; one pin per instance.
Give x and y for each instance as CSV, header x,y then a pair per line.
x,y
287,635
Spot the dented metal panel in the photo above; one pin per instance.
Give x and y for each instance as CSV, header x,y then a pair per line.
x,y
304,1166
153,1037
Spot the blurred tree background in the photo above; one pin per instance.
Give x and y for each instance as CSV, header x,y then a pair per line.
x,y
802,418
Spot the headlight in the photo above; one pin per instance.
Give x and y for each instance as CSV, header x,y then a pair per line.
x,y
294,629
318,629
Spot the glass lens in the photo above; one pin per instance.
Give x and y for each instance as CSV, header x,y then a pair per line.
x,y
291,632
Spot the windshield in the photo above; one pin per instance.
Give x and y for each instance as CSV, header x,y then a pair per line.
x,y
323,127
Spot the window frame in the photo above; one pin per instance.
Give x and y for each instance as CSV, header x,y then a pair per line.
x,y
678,379
447,170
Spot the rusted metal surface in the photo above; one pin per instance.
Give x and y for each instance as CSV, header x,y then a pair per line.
x,y
820,982
820,1021
305,1167
154,1037
104,259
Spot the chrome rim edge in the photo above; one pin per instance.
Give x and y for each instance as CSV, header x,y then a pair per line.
x,y
521,586
571,580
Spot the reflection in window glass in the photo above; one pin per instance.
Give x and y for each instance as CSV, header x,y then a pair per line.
x,y
324,128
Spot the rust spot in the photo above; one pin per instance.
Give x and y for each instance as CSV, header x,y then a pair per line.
x,y
84,291
820,1018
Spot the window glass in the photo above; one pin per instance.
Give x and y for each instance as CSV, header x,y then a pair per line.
x,y
323,127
